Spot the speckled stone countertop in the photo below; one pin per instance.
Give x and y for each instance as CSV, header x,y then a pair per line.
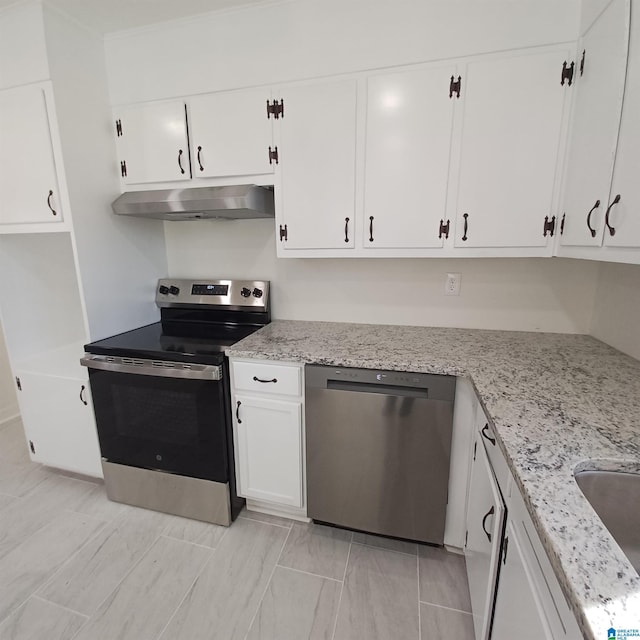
x,y
558,403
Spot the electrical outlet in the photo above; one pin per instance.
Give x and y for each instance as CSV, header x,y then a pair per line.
x,y
452,284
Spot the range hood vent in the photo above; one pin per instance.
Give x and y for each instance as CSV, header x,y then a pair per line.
x,y
231,202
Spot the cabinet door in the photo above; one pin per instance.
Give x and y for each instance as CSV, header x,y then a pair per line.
x,y
269,449
408,142
624,217
519,612
595,123
57,414
29,189
485,521
509,145
231,134
152,141
316,144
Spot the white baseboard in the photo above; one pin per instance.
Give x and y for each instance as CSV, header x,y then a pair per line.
x,y
278,510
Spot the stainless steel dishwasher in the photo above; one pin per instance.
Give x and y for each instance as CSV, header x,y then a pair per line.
x,y
378,448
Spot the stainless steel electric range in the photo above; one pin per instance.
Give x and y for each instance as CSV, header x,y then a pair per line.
x,y
161,399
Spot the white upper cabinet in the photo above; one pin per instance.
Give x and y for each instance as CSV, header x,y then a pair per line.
x,y
152,142
29,182
315,147
231,133
623,228
509,142
600,82
408,142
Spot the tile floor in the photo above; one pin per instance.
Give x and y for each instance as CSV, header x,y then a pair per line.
x,y
74,565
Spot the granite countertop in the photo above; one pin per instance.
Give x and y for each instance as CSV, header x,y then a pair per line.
x,y
558,402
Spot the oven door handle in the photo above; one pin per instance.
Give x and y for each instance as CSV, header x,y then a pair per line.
x,y
156,368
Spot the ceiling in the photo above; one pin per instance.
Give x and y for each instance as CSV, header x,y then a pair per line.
x,y
106,16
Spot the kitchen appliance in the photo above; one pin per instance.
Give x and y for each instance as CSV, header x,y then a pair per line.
x,y
161,399
194,203
378,449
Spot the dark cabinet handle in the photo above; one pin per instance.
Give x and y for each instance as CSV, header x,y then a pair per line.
x,y
82,398
484,432
238,412
55,213
484,521
370,228
256,379
612,230
180,161
199,160
346,229
466,226
591,229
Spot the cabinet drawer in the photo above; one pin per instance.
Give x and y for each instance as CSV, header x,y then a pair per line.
x,y
267,378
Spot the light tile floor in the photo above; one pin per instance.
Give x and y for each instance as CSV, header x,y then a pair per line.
x,y
74,565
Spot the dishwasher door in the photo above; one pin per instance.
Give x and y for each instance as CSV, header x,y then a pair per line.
x,y
378,447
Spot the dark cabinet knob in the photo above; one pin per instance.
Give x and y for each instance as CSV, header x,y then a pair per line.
x,y
244,292
257,293
173,290
163,290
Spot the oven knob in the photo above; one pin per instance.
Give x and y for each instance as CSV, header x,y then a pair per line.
x,y
244,292
257,293
173,290
163,290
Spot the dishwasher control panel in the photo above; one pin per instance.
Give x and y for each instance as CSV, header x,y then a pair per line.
x,y
348,378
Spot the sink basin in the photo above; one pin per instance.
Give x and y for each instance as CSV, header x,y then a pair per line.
x,y
615,496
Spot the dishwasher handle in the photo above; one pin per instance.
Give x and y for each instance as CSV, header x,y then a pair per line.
x,y
384,389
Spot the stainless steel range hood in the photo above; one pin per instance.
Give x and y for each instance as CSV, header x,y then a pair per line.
x,y
231,202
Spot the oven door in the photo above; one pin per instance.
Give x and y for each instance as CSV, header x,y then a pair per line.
x,y
165,416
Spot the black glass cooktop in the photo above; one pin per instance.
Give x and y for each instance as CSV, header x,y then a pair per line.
x,y
202,344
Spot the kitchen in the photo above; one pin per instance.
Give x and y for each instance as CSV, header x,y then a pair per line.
x,y
525,293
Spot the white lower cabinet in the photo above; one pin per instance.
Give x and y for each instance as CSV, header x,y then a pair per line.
x,y
513,588
485,520
57,414
529,600
268,435
518,612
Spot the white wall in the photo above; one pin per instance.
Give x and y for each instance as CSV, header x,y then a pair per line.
x,y
8,400
310,38
616,317
524,294
120,260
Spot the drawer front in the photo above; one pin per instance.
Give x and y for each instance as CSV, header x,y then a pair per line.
x,y
267,378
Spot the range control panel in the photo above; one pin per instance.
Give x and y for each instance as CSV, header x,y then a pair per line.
x,y
219,293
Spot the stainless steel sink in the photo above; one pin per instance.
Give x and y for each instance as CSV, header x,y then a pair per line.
x,y
615,496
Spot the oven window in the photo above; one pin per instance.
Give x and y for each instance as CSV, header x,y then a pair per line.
x,y
171,424
140,415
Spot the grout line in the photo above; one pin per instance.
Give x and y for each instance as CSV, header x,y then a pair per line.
x,y
195,544
441,606
273,524
60,606
124,577
308,573
373,546
344,578
72,557
188,591
264,593
222,537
